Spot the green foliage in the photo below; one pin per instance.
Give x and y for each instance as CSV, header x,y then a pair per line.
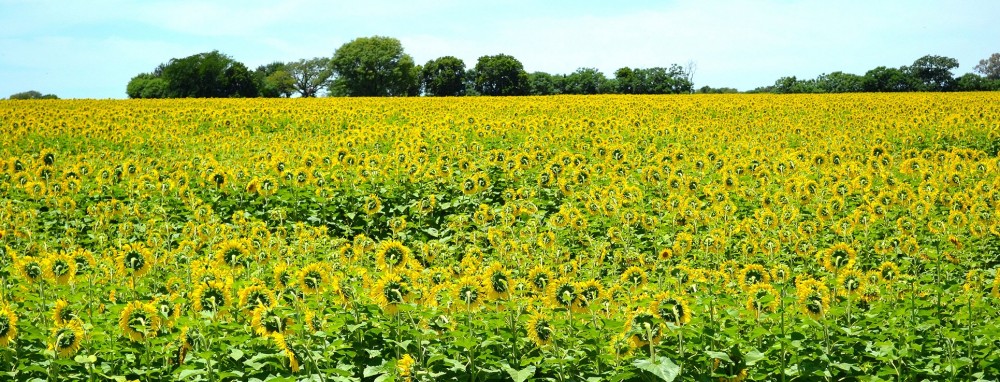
x,y
32,94
934,72
989,67
309,76
541,83
444,76
374,67
273,80
500,75
585,81
673,80
883,79
147,85
204,75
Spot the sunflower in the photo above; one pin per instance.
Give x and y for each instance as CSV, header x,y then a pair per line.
x,y
60,268
405,368
391,254
539,278
889,270
563,293
634,277
282,343
134,260
813,297
540,329
233,253
671,308
752,274
267,321
211,296
84,260
498,282
139,321
169,311
589,293
762,297
314,277
839,256
187,340
67,338
372,204
390,291
253,296
62,312
8,326
469,291
643,328
30,268
283,277
850,282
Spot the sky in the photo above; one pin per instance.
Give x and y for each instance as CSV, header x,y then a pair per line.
x,y
90,49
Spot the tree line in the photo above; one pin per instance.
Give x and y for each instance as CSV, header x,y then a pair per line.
x,y
929,73
378,66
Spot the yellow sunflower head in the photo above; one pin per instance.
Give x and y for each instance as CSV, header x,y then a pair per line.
x,y
66,338
139,320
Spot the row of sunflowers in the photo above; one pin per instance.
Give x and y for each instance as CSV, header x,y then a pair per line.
x,y
622,238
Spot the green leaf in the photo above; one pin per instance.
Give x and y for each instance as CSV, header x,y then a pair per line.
x,y
519,375
372,371
753,357
663,368
235,354
185,374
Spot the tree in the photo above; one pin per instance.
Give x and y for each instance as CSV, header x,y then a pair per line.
x,y
373,66
309,76
626,80
273,80
585,81
989,67
883,79
500,75
444,76
211,74
541,83
237,81
934,72
971,82
147,85
839,82
32,94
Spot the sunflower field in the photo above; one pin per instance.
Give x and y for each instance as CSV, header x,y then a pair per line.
x,y
591,238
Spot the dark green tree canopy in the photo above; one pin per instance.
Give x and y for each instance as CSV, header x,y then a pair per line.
x,y
208,75
658,80
883,79
32,94
309,76
147,85
586,81
541,83
273,80
373,67
500,75
839,82
444,76
934,72
203,75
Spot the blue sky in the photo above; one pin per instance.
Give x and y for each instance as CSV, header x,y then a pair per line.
x,y
90,49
